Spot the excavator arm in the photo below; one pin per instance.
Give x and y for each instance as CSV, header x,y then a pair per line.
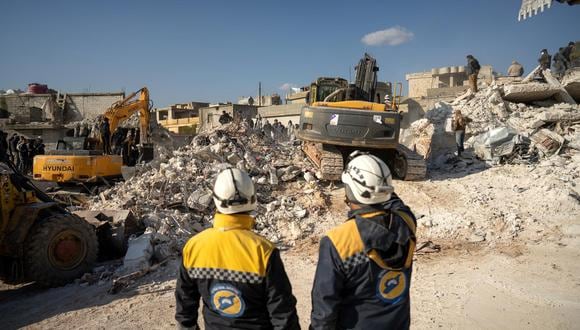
x,y
121,110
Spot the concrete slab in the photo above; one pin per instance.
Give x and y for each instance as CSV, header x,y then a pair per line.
x,y
529,92
571,83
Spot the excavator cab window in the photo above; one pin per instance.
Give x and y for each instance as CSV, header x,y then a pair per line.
x,y
324,91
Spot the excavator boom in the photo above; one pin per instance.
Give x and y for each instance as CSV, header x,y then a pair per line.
x,y
123,109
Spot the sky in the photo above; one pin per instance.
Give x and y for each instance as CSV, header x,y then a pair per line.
x,y
217,51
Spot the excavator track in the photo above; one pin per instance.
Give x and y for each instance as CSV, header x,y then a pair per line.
x,y
409,165
327,158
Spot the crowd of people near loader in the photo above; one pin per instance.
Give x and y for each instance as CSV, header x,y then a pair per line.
x,y
20,150
276,130
123,141
364,268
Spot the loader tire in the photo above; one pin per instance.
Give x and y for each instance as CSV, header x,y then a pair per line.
x,y
59,249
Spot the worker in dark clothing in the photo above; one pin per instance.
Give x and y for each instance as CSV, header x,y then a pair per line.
x,y
22,155
39,147
225,118
364,267
4,145
13,146
117,140
560,63
31,154
237,273
473,68
568,52
127,149
105,130
458,125
544,60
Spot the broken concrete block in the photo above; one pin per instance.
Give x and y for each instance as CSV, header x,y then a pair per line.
x,y
200,200
548,142
562,95
138,254
301,213
554,115
309,177
273,177
571,82
529,92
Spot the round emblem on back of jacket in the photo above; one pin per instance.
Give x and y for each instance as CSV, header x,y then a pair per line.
x,y
392,286
227,300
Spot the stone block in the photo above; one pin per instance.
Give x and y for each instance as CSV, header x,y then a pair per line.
x,y
529,92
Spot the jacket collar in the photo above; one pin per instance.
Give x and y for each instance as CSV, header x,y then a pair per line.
x,y
232,221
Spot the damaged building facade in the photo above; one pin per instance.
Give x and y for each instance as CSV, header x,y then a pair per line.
x,y
45,115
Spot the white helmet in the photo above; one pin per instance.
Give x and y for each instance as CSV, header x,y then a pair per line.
x,y
234,192
367,179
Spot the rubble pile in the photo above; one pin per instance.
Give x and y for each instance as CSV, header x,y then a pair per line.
x,y
500,131
173,194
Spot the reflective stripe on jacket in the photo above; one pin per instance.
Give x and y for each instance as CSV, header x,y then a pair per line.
x,y
238,275
364,270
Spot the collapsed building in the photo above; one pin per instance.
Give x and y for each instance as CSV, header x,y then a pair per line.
x,y
45,112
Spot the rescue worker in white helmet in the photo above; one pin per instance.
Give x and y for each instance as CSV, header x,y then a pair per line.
x,y
237,273
363,275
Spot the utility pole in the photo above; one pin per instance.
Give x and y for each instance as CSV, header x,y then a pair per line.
x,y
259,93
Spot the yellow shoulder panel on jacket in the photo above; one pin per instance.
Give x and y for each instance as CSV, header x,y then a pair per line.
x,y
237,250
346,239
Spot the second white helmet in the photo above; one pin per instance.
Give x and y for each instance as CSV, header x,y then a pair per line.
x,y
367,179
234,192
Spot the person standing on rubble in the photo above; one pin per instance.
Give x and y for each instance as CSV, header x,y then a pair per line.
x,y
458,125
364,267
267,129
473,68
106,136
12,143
237,273
225,118
22,148
568,53
290,130
544,60
560,63
515,70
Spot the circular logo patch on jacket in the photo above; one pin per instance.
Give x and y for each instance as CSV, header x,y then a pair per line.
x,y
392,286
227,300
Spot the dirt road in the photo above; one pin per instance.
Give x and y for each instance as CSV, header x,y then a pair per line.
x,y
469,288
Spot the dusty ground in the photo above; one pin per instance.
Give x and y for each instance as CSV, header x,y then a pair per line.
x,y
511,245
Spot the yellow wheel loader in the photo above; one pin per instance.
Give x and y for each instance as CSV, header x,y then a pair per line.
x,y
39,240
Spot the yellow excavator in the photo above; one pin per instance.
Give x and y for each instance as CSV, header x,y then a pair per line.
x,y
342,117
81,159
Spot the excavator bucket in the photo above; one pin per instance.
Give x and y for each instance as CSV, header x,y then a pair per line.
x,y
530,8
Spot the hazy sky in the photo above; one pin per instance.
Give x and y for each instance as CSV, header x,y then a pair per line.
x,y
219,50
